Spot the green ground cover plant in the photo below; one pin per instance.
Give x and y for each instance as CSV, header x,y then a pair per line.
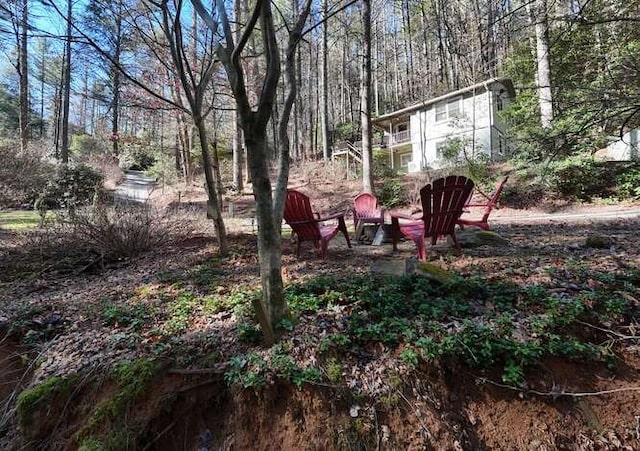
x,y
472,320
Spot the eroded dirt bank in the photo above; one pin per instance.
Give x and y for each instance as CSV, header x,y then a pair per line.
x,y
568,406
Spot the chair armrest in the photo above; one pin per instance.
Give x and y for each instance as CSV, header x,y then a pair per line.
x,y
333,216
301,222
399,215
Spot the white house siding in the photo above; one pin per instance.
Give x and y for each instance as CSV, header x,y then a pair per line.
x,y
473,125
625,149
477,121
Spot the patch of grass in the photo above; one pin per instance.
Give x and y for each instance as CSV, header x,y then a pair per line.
x,y
249,333
207,274
334,370
239,301
285,368
179,312
326,291
247,370
19,219
91,444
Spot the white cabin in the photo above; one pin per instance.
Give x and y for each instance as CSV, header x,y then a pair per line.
x,y
440,131
626,148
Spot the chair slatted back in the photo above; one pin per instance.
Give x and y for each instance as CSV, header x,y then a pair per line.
x,y
443,202
366,206
299,215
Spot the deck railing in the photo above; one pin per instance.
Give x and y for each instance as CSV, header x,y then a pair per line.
x,y
388,141
397,138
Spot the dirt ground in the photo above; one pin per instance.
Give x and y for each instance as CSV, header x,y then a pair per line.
x,y
567,405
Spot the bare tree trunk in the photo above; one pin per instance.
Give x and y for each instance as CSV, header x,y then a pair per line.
x,y
84,105
272,307
117,82
238,155
64,137
545,98
408,45
177,153
214,209
23,70
42,83
57,113
238,149
183,130
396,72
297,109
324,86
194,88
365,100
376,74
343,84
442,56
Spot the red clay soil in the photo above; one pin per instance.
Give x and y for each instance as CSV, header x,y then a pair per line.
x,y
435,409
11,368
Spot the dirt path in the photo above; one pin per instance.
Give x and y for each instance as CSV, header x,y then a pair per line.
x,y
135,187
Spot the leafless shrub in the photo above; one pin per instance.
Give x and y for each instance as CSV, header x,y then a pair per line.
x,y
23,174
125,230
313,171
89,240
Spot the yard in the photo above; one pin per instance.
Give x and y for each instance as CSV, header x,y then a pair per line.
x,y
528,345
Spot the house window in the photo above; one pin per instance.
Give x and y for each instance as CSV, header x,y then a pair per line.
x,y
453,108
448,110
405,159
441,112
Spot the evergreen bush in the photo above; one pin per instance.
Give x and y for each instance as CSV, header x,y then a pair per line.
x,y
71,187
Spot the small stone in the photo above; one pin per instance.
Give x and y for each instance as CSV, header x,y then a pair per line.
x,y
598,242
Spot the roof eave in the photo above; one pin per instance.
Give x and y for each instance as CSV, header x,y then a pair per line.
x,y
388,118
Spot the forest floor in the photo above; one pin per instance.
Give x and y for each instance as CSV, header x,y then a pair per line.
x,y
530,344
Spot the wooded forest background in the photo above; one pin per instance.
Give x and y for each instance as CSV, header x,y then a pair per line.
x,y
98,75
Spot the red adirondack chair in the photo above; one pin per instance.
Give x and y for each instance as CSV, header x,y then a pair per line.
x,y
366,211
488,206
310,227
442,204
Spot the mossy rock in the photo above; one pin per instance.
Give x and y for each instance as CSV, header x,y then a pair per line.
x,y
427,269
598,242
474,237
